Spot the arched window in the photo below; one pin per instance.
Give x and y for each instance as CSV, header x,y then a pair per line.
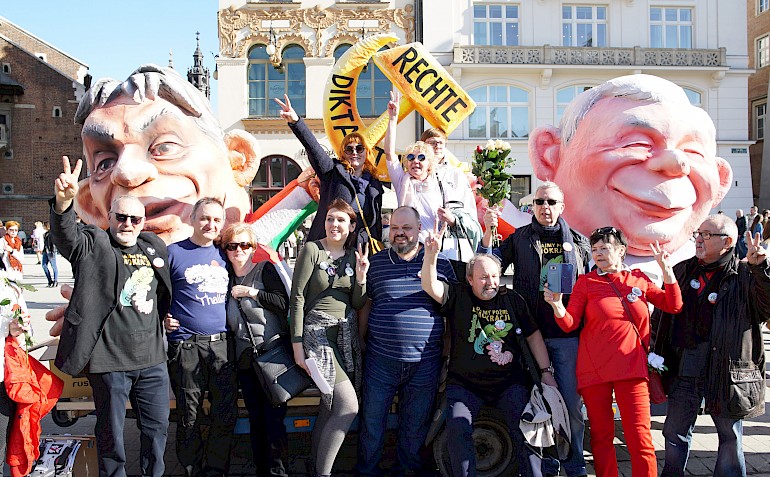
x,y
373,89
273,175
564,96
266,82
501,112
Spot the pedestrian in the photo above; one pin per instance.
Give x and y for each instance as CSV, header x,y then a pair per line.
x,y
14,246
49,258
740,246
37,241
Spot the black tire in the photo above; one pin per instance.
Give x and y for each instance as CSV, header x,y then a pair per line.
x,y
494,449
62,418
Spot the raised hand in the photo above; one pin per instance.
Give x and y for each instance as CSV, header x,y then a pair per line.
x,y
433,241
286,112
490,217
661,256
550,296
362,263
756,253
66,185
393,104
446,216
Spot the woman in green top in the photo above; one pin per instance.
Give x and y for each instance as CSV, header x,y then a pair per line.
x,y
328,286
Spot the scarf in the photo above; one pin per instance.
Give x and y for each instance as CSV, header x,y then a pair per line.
x,y
561,228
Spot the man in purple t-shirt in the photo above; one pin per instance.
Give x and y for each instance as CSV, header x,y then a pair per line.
x,y
197,344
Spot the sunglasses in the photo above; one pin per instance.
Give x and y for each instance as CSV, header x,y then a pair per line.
x,y
359,149
121,218
233,246
412,157
551,202
605,231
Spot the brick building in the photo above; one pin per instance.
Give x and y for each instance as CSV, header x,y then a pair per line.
x,y
758,31
40,87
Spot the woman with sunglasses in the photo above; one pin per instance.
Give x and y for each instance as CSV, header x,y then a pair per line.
x,y
257,300
612,305
349,177
14,246
328,286
417,184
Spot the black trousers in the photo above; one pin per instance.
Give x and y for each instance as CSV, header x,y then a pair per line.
x,y
196,367
266,427
148,391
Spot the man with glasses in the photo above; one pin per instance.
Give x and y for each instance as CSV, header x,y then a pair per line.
x,y
112,330
530,249
197,344
713,348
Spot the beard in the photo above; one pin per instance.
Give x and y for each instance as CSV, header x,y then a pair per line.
x,y
405,248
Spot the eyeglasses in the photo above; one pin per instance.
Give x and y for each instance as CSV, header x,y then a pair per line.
x,y
121,218
551,202
412,157
233,246
706,235
434,142
359,149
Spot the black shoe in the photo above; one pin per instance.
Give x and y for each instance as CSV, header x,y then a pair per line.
x,y
50,284
55,284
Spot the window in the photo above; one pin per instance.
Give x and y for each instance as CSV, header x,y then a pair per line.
x,y
564,96
521,186
6,68
694,97
266,82
4,130
670,27
273,175
496,25
760,112
763,51
56,112
583,26
373,89
762,6
501,112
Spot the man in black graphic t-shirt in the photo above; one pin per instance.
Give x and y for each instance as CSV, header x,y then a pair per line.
x,y
112,331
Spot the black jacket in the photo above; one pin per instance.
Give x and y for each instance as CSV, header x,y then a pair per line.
x,y
94,261
336,183
522,250
735,381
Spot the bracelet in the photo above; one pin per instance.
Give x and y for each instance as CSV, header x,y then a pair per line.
x,y
549,369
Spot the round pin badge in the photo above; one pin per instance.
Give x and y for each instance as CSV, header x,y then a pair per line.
x,y
636,291
567,246
348,271
151,250
158,262
419,274
631,297
694,284
323,265
331,271
499,325
518,331
712,298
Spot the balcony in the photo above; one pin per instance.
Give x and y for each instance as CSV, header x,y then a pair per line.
x,y
548,55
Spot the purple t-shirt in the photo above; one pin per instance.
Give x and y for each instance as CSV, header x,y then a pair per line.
x,y
199,287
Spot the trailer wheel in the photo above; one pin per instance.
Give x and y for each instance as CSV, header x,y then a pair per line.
x,y
494,449
63,418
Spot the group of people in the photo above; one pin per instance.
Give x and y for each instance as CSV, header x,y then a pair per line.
x,y
755,223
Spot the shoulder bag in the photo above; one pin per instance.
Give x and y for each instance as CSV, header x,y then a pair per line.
x,y
374,244
274,365
657,393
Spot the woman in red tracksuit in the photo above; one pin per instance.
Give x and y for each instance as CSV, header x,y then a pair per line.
x,y
612,304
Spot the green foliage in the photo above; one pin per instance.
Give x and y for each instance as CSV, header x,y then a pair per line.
x,y
489,166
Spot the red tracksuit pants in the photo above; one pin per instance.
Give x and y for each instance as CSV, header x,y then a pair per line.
x,y
633,399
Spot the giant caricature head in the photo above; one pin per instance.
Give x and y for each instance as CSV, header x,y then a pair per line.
x,y
634,153
155,137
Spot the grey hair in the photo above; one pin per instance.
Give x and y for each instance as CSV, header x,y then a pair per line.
x,y
472,263
150,82
639,87
725,225
550,185
122,198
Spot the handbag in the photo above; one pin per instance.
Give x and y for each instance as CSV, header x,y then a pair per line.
x,y
655,383
281,378
374,244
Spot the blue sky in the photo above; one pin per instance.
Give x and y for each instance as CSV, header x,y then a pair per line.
x,y
114,37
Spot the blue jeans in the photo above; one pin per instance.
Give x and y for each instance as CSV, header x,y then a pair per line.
x,y
50,258
683,404
416,384
463,405
148,391
563,354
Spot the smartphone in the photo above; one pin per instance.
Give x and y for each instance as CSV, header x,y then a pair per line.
x,y
559,277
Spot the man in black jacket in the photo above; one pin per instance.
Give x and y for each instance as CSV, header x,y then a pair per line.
x,y
112,330
713,348
548,239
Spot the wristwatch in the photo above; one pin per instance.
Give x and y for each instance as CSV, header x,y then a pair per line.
x,y
549,369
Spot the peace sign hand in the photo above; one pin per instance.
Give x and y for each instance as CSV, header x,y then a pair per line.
x,y
393,104
756,254
434,239
287,112
66,185
362,263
